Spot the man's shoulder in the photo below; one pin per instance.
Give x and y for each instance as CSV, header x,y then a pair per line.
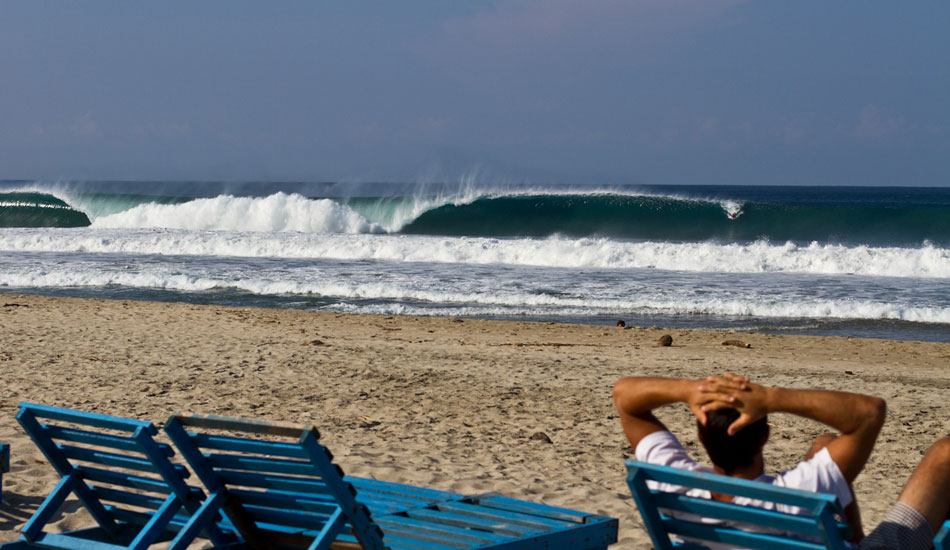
x,y
663,448
819,474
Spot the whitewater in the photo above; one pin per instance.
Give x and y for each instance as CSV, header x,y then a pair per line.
x,y
871,263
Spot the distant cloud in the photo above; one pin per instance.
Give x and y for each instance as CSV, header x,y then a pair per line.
x,y
707,128
528,23
793,132
873,125
535,40
83,127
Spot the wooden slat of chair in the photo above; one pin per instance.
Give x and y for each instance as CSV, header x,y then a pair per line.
x,y
666,513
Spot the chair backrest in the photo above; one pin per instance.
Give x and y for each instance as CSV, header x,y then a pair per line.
x,y
700,521
112,465
277,483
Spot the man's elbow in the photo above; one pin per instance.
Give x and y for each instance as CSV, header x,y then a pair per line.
x,y
624,391
875,412
620,389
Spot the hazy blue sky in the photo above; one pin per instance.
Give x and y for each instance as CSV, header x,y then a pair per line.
x,y
656,92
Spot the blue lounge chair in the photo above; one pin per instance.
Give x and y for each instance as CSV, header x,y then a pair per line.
x,y
121,476
674,520
4,464
279,487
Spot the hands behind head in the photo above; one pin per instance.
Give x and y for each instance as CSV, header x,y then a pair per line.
x,y
729,390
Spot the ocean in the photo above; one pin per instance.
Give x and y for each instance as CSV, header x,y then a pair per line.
x,y
848,261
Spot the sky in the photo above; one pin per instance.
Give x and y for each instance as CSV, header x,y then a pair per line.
x,y
557,91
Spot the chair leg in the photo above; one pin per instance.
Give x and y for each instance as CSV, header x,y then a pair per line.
x,y
154,528
200,520
329,532
4,465
48,508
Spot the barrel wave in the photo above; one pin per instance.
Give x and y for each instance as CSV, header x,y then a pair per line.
x,y
685,220
31,209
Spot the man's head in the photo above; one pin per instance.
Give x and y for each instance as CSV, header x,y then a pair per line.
x,y
731,452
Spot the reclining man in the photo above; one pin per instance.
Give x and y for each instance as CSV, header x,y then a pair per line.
x,y
732,424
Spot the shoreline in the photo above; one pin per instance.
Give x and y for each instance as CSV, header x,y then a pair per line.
x,y
444,403
874,329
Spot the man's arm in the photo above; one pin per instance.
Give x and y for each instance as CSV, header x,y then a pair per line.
x,y
636,397
858,417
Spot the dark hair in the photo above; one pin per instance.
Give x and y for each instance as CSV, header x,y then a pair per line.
x,y
731,452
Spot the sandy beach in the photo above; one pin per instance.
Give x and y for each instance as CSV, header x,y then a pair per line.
x,y
446,403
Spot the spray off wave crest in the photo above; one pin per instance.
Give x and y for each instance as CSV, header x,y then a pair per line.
x,y
279,212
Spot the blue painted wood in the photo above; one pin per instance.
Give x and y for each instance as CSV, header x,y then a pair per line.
x,y
152,531
737,487
316,476
315,503
402,525
743,526
89,419
357,514
401,490
51,504
441,517
98,438
471,509
4,457
265,465
86,454
739,538
271,496
237,444
4,464
650,513
207,513
125,479
532,508
304,519
273,482
389,498
120,475
331,528
67,542
730,512
942,538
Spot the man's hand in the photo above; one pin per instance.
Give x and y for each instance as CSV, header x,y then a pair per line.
x,y
716,392
753,402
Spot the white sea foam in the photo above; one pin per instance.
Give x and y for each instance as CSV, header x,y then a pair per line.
x,y
409,294
925,261
277,212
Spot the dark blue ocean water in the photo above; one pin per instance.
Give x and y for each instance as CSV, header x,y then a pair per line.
x,y
872,262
